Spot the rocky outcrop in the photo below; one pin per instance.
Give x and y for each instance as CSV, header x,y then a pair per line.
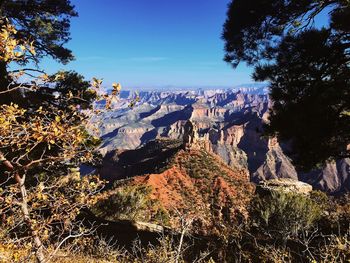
x,y
195,183
284,185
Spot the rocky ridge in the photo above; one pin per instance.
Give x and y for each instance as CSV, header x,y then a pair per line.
x,y
225,122
186,180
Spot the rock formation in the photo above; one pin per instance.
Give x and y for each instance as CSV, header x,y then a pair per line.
x,y
189,182
227,123
284,185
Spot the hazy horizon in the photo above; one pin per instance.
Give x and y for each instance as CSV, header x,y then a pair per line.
x,y
192,87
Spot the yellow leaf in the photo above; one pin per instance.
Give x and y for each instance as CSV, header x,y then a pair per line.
x,y
18,54
59,76
44,77
96,82
32,49
41,186
116,86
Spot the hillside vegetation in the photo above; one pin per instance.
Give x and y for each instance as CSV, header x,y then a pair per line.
x,y
175,200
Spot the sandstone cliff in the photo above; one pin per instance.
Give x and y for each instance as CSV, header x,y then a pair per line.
x,y
227,123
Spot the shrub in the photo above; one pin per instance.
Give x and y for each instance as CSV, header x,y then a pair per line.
x,y
131,203
284,214
336,249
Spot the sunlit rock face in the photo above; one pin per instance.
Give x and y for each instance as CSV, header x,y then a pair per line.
x,y
185,179
228,123
284,185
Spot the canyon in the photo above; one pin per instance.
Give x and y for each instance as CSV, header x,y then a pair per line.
x,y
227,123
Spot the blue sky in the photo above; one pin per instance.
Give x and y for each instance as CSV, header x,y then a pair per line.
x,y
151,43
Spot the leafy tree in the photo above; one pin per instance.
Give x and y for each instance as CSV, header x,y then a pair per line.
x,y
40,146
310,87
42,142
44,23
307,68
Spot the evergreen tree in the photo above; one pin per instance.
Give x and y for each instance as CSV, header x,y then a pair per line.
x,y
308,70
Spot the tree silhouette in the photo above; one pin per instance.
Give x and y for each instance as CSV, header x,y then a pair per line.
x,y
46,23
307,68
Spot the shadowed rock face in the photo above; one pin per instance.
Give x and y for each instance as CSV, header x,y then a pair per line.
x,y
145,160
276,165
227,123
333,178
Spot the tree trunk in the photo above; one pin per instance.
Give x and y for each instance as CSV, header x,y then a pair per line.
x,y
3,76
178,252
4,82
14,96
39,254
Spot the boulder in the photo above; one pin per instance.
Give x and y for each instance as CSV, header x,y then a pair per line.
x,y
284,184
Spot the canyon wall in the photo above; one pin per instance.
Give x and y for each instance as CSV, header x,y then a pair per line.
x,y
228,123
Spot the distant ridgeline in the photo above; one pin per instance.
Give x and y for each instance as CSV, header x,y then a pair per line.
x,y
227,122
145,93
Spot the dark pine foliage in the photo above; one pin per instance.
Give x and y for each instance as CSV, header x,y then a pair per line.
x,y
308,70
46,22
